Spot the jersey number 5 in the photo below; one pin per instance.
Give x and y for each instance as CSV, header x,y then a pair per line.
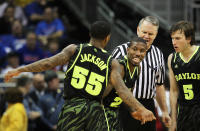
x,y
94,83
189,95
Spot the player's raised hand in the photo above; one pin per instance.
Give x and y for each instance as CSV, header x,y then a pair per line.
x,y
143,115
11,74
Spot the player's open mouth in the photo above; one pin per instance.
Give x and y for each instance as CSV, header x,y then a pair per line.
x,y
136,60
175,47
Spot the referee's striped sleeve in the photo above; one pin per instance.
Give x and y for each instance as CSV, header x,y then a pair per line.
x,y
161,77
116,53
120,50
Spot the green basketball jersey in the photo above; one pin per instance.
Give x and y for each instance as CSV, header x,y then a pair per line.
x,y
113,100
187,75
88,73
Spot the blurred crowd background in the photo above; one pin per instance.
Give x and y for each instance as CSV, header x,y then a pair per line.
x,y
31,30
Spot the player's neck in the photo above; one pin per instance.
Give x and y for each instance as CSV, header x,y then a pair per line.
x,y
96,43
149,46
131,67
188,52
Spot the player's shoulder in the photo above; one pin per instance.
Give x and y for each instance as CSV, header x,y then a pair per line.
x,y
122,59
114,62
70,49
170,56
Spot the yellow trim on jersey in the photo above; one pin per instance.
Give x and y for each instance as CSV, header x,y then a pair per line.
x,y
175,57
101,49
107,69
107,123
131,74
81,46
181,56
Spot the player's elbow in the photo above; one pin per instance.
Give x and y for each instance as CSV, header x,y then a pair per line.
x,y
47,64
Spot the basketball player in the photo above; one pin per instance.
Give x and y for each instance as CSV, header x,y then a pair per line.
x,y
184,77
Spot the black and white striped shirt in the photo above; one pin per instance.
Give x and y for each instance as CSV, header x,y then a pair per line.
x,y
152,71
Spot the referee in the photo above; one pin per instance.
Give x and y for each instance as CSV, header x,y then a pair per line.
x,y
151,79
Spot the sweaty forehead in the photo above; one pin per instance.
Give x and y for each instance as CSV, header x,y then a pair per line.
x,y
149,29
178,33
138,44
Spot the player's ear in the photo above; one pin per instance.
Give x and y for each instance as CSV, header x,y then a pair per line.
x,y
107,38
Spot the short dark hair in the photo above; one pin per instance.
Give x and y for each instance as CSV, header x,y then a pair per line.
x,y
187,28
23,81
137,39
50,75
12,54
100,30
13,95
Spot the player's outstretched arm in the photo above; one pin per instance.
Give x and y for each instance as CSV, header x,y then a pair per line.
x,y
141,113
45,64
173,95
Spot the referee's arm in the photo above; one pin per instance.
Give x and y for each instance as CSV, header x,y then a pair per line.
x,y
161,95
160,89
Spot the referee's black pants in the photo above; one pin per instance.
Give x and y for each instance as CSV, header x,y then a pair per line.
x,y
131,124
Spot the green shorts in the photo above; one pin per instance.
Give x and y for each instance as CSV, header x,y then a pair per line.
x,y
113,118
80,114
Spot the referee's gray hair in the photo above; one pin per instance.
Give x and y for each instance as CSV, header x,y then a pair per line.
x,y
153,20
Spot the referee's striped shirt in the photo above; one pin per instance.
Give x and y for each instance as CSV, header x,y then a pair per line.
x,y
152,71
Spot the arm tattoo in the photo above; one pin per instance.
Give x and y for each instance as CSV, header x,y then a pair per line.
x,y
126,95
121,88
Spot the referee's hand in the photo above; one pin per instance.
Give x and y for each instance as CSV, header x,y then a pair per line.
x,y
143,115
